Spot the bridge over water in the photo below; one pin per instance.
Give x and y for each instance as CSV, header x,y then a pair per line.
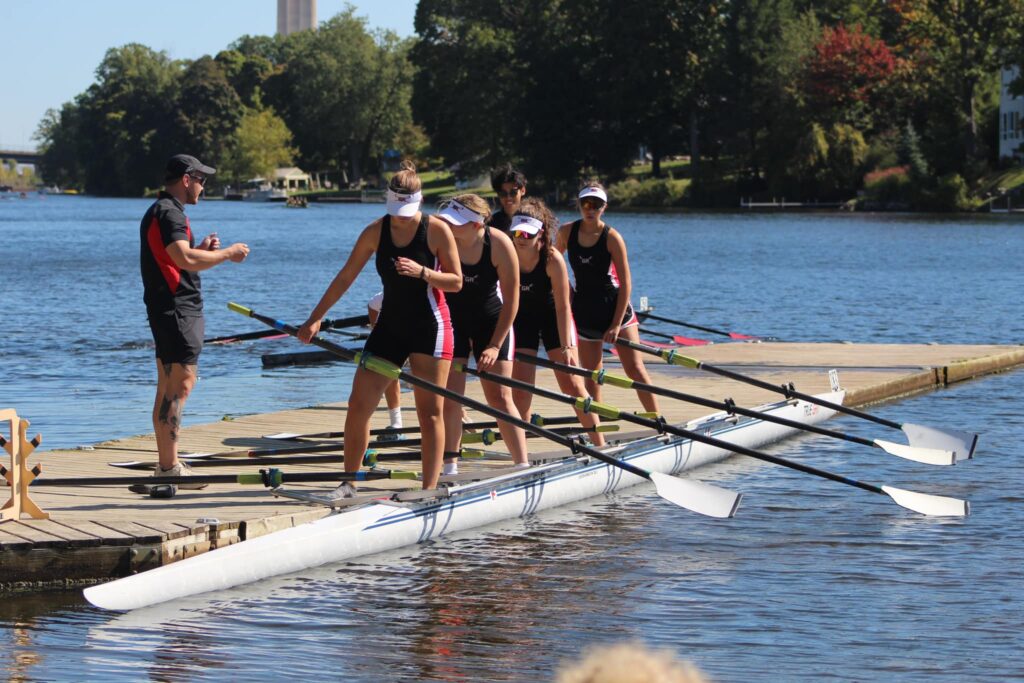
x,y
22,155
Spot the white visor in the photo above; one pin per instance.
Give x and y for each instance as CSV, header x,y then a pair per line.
x,y
593,192
404,205
527,224
457,214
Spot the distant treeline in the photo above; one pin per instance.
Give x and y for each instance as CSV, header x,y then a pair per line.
x,y
790,98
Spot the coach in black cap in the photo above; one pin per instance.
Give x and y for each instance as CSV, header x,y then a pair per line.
x,y
171,262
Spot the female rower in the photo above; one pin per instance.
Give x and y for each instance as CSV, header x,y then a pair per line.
x,y
482,315
544,312
417,262
601,304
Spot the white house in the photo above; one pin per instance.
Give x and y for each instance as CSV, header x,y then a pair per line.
x,y
1011,118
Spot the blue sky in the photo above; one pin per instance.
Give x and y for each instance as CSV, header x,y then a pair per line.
x,y
51,48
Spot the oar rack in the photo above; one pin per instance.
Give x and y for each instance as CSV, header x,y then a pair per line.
x,y
19,476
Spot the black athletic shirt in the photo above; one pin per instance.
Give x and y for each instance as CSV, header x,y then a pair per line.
x,y
535,294
480,296
167,288
408,299
592,266
501,220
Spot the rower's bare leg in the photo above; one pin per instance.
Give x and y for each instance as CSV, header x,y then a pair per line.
x,y
524,372
591,355
430,410
453,412
500,398
392,395
367,388
633,365
175,382
573,386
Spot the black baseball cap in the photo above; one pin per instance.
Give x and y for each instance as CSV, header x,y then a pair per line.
x,y
182,164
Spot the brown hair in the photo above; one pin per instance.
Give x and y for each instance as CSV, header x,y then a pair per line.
x,y
476,203
536,208
406,180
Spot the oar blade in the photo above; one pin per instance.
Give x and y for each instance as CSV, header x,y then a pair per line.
x,y
697,496
737,335
928,456
927,504
961,443
689,341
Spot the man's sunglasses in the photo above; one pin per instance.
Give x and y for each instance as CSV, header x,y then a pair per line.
x,y
198,178
510,194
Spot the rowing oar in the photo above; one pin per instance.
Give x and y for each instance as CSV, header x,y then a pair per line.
x,y
732,335
924,503
682,341
353,321
928,456
271,478
705,499
961,444
489,424
486,437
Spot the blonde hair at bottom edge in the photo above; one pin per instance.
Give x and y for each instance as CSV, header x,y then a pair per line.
x,y
629,663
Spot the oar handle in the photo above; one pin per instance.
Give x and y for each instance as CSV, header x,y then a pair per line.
x,y
661,425
270,478
390,370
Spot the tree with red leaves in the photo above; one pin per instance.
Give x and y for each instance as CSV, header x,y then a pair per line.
x,y
849,72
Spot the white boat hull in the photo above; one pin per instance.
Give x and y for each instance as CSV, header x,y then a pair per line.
x,y
378,527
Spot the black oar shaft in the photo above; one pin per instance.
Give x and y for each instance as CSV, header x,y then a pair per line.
x,y
396,372
599,377
352,321
648,314
486,424
662,426
266,477
787,391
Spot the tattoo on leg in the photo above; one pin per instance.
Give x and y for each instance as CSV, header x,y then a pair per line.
x,y
170,415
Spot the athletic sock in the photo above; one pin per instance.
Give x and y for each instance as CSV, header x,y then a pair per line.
x,y
395,416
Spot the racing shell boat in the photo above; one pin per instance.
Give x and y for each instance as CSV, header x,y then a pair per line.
x,y
391,522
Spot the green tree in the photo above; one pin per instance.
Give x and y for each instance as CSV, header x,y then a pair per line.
x,y
207,111
345,93
125,120
261,144
962,42
59,142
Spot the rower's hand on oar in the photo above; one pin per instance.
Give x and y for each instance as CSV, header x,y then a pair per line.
x,y
237,252
611,335
308,330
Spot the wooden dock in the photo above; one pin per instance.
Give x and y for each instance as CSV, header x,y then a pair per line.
x,y
100,532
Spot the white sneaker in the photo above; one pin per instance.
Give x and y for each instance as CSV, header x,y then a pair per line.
x,y
346,490
179,470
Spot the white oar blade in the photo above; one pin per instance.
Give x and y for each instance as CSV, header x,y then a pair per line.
x,y
929,456
961,443
927,504
697,496
282,435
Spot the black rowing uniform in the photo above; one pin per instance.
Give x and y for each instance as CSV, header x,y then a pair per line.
x,y
537,319
477,306
597,285
414,316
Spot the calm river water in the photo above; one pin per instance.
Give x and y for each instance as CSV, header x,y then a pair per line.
x,y
810,581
